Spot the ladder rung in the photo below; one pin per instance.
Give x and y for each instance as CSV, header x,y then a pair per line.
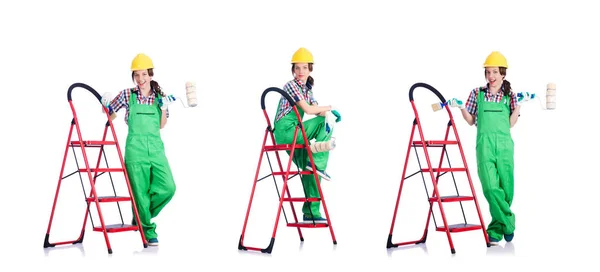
x,y
110,198
452,198
100,170
308,224
302,199
434,143
93,143
459,227
117,228
292,173
282,147
441,170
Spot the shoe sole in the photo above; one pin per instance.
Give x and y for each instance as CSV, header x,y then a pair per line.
x,y
494,243
318,173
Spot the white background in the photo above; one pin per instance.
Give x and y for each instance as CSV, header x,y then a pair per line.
x,y
367,56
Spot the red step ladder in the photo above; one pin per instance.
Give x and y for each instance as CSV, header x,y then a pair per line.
x,y
286,175
93,173
435,174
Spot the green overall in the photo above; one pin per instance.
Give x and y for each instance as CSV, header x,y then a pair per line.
x,y
315,129
495,163
147,166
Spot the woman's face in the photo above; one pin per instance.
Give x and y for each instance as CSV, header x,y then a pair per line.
x,y
142,78
301,71
493,77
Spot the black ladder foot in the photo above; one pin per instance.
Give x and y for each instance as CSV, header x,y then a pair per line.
x,y
269,248
389,242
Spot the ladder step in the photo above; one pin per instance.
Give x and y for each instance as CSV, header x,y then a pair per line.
x,y
293,173
302,199
100,170
453,198
460,227
441,170
110,198
308,224
282,147
434,143
93,143
117,228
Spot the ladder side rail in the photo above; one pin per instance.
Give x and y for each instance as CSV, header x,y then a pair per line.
x,y
56,194
468,172
269,248
113,131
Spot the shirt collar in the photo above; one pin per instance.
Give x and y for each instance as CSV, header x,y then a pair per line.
x,y
302,85
137,90
500,92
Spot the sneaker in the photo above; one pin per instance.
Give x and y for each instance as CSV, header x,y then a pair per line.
x,y
321,173
310,218
494,241
153,242
509,237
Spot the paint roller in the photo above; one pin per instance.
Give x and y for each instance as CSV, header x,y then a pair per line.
x,y
550,97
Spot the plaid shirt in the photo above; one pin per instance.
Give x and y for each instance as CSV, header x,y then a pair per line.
x,y
471,104
122,100
297,91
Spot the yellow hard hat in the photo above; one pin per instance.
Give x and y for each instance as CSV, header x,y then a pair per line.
x,y
141,62
302,55
495,59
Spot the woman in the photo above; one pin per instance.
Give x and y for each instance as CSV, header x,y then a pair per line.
x,y
494,110
300,90
147,166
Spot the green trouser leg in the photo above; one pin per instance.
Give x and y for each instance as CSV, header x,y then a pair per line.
x,y
495,170
315,129
153,187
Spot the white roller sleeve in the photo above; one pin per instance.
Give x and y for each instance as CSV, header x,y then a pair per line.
x,y
190,92
317,147
551,96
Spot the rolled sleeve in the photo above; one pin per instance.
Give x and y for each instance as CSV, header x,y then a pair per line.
x,y
513,102
120,101
471,104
